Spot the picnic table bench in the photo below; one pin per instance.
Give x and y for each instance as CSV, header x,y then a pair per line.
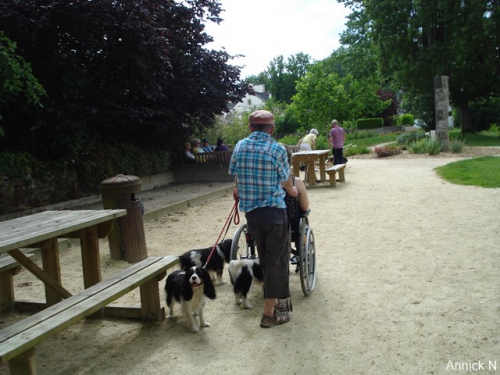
x,y
309,158
332,171
18,341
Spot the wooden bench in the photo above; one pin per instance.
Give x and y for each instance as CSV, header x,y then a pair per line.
x,y
18,341
332,171
214,157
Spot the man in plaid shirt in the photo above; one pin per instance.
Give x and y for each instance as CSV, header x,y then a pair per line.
x,y
262,176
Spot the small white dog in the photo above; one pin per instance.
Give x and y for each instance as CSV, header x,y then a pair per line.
x,y
243,273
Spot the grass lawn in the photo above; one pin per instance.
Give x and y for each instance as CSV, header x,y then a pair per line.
x,y
483,171
475,139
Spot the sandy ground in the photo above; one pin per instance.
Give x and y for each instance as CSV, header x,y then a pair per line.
x,y
408,283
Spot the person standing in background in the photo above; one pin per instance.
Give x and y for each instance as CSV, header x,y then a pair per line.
x,y
336,142
308,143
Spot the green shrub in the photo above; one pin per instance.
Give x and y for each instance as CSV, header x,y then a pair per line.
x,y
370,123
456,146
493,131
387,151
361,134
20,165
416,147
410,137
433,146
352,149
290,139
406,119
347,125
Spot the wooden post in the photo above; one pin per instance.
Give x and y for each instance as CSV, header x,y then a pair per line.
x,y
442,98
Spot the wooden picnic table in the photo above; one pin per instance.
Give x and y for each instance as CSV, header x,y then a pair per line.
x,y
309,158
42,230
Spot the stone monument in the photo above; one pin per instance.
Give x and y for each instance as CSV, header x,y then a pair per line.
x,y
441,100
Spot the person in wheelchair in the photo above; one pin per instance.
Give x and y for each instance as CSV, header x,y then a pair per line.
x,y
297,207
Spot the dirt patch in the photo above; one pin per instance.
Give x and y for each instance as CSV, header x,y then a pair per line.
x,y
407,284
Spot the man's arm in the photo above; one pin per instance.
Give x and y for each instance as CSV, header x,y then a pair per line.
x,y
290,189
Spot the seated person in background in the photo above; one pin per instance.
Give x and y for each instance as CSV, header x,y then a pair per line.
x,y
221,146
205,146
188,155
197,147
300,185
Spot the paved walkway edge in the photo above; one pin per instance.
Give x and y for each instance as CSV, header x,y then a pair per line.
x,y
181,206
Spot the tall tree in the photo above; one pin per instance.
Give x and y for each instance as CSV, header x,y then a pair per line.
x,y
281,76
417,41
116,71
323,95
16,76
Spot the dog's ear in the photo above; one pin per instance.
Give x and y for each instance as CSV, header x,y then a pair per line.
x,y
208,285
187,290
226,249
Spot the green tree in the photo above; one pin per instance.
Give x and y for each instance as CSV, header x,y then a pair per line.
x,y
116,71
417,41
323,95
281,77
16,76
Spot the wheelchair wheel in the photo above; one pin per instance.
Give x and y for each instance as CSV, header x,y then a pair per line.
x,y
243,246
307,258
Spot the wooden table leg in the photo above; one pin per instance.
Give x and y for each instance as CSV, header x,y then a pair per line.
x,y
311,173
50,275
296,168
322,167
91,260
51,265
7,289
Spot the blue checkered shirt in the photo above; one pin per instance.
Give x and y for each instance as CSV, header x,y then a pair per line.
x,y
260,165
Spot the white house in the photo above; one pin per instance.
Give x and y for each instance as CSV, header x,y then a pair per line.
x,y
251,101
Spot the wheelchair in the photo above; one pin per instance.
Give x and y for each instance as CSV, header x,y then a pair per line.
x,y
244,247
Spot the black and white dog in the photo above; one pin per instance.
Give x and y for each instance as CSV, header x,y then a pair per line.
x,y
191,289
243,273
198,257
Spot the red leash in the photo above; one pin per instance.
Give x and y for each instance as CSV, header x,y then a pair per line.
x,y
234,211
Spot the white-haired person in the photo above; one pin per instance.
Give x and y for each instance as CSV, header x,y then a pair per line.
x,y
308,143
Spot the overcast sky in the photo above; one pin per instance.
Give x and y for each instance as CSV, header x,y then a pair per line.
x,y
264,29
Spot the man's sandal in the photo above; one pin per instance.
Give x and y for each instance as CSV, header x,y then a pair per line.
x,y
277,319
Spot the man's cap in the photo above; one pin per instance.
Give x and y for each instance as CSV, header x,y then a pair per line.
x,y
261,117
334,122
205,140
